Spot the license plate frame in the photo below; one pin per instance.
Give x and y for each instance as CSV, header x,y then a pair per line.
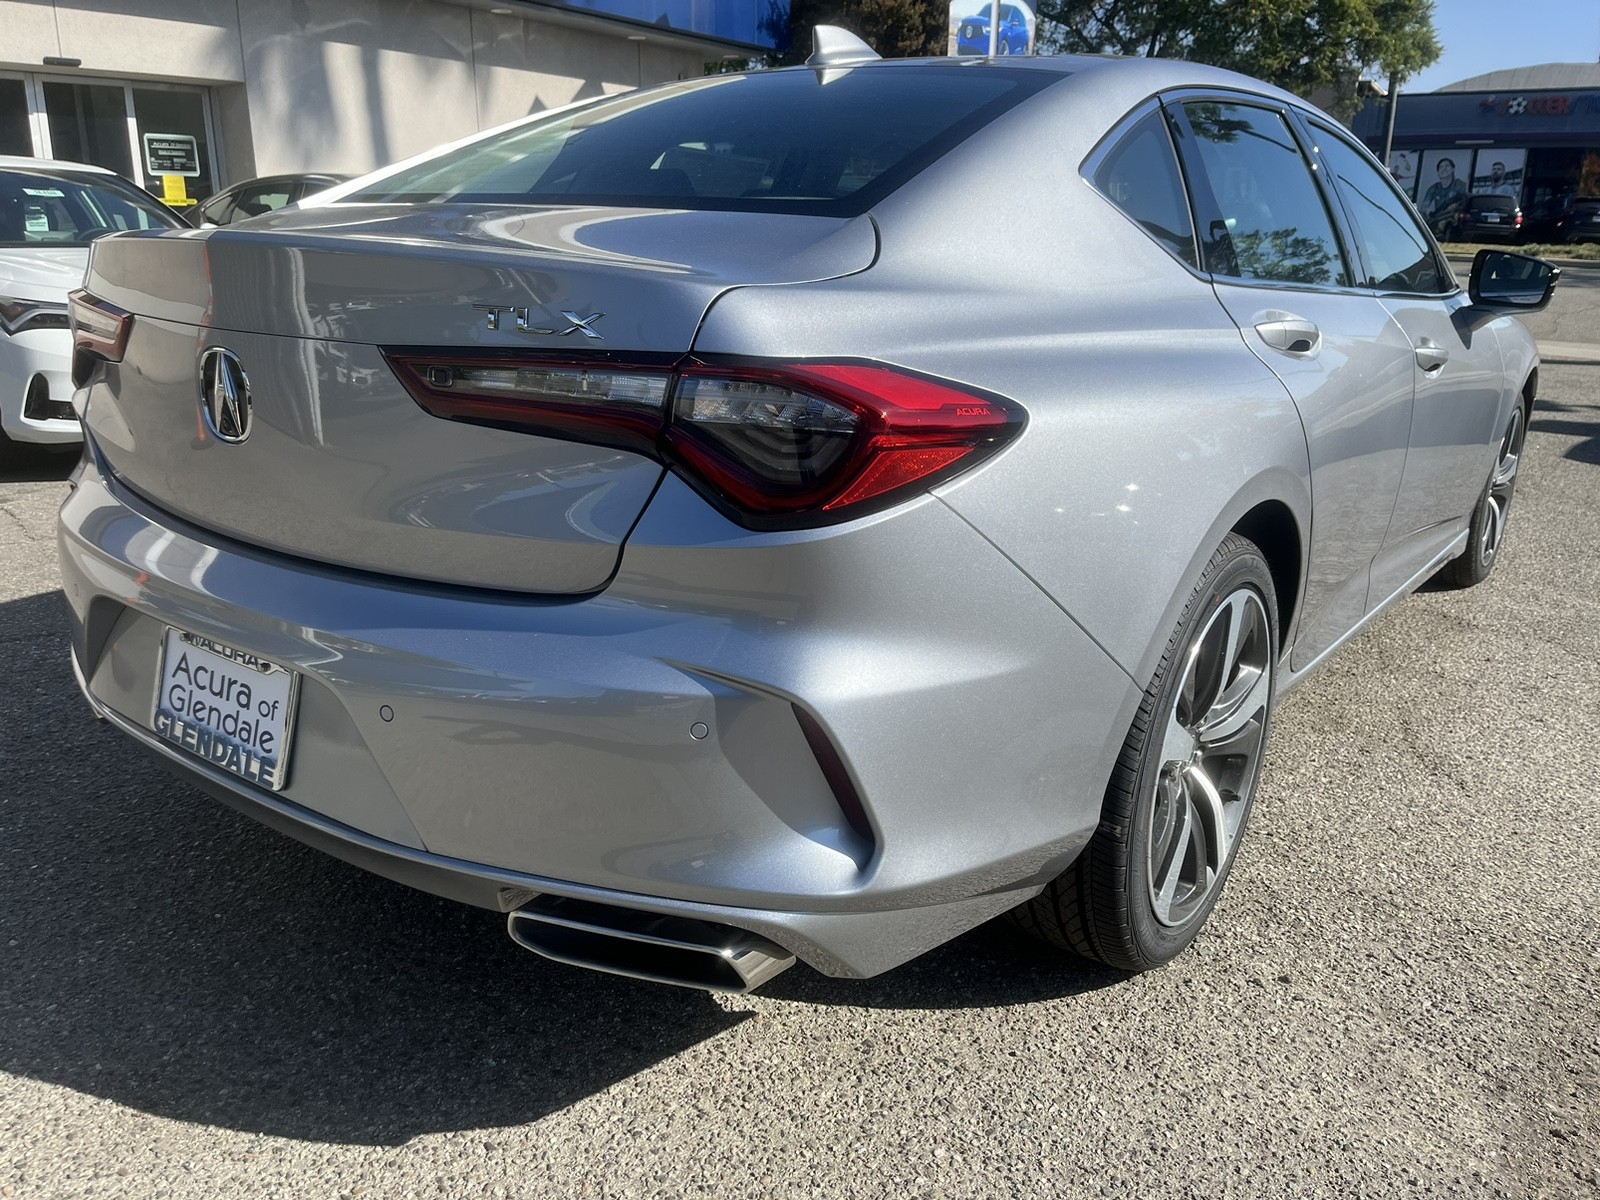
x,y
272,704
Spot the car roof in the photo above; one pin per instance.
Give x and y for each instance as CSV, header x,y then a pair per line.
x,y
1108,78
13,162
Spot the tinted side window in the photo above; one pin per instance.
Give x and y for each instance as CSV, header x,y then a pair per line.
x,y
1140,176
1399,256
1270,222
266,198
219,209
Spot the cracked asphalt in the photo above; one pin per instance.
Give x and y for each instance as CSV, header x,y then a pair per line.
x,y
1396,997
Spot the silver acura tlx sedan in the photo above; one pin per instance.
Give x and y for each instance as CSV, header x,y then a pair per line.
x,y
799,514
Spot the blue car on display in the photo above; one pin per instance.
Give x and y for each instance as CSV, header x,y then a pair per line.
x,y
973,36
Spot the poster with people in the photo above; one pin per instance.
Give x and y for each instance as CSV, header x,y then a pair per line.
x,y
1499,172
1442,188
969,27
1403,169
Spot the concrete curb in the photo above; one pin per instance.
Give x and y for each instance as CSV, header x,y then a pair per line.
x,y
1582,353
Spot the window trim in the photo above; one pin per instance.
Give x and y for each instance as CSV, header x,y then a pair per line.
x,y
1315,126
1112,140
1202,196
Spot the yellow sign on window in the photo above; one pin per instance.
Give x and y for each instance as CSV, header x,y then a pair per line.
x,y
175,192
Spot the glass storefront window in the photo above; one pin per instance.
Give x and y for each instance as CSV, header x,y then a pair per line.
x,y
89,123
103,122
168,110
16,132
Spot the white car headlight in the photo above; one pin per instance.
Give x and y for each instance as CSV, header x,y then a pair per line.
x,y
17,315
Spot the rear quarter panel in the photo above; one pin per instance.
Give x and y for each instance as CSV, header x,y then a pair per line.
x,y
1151,427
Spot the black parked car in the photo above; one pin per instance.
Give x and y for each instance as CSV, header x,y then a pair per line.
x,y
264,195
1580,222
1488,219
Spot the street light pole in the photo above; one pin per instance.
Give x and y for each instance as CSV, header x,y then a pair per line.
x,y
994,28
1394,103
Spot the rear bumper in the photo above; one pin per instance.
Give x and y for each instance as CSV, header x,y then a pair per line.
x,y
640,748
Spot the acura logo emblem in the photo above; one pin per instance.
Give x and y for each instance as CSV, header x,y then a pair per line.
x,y
225,395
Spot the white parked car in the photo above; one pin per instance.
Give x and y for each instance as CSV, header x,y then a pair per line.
x,y
49,213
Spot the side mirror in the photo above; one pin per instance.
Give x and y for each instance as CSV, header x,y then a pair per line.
x,y
1511,283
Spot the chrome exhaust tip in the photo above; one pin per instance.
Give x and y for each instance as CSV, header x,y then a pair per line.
x,y
681,951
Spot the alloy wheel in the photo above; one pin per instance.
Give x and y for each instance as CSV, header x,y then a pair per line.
x,y
1210,756
1501,486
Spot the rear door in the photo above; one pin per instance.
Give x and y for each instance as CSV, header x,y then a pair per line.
x,y
1284,274
1456,364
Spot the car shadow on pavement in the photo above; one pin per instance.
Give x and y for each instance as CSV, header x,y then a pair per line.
x,y
1586,451
993,966
162,952
32,464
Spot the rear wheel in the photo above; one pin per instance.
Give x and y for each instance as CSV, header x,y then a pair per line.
x,y
1487,532
1182,791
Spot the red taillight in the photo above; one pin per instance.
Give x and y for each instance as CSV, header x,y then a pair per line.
x,y
99,331
775,445
823,437
1519,220
580,400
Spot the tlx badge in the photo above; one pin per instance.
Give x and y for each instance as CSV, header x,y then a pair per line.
x,y
520,314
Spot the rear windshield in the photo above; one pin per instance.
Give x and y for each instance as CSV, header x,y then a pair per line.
x,y
827,143
1482,203
46,207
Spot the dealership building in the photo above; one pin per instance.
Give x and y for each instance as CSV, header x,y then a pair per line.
x,y
1532,133
339,86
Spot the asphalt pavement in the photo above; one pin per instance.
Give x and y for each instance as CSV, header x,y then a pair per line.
x,y
1396,997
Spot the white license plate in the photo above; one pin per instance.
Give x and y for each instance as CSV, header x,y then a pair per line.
x,y
1495,217
229,707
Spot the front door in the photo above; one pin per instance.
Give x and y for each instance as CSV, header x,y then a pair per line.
x,y
1456,365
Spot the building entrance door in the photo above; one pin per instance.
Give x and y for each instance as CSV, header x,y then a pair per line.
x,y
89,123
103,121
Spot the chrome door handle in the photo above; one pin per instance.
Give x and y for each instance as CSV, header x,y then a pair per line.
x,y
1290,334
1431,356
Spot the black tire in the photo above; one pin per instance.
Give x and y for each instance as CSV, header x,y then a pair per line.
x,y
1487,533
1106,905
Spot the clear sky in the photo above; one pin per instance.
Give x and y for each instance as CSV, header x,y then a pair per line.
x,y
1487,35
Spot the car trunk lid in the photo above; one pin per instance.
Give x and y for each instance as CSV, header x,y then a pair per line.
x,y
340,464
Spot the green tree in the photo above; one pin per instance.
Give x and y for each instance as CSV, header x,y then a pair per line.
x,y
1300,45
894,28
